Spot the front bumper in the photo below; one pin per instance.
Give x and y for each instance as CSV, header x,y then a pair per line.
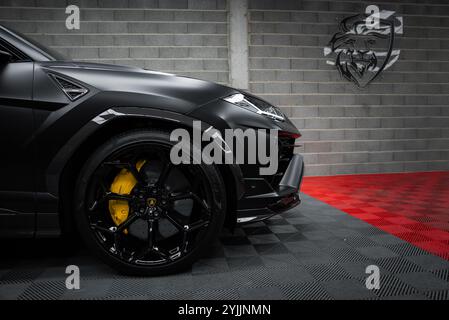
x,y
261,200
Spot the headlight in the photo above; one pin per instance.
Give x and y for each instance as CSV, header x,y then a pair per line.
x,y
256,105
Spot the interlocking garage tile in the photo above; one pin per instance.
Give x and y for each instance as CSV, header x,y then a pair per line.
x,y
332,243
429,262
291,237
346,255
253,225
411,206
442,274
327,272
225,294
352,288
257,230
385,239
215,281
357,269
414,296
276,260
20,275
272,248
305,246
358,242
12,291
255,261
322,219
305,291
438,295
240,251
345,232
377,252
279,221
89,289
299,220
286,228
52,273
235,240
213,265
128,287
424,281
397,265
252,278
285,274
97,270
364,230
314,258
391,286
181,281
405,250
307,227
244,263
260,293
263,239
170,295
317,235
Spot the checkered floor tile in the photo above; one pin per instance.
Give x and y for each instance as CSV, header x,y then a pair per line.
x,y
411,206
314,251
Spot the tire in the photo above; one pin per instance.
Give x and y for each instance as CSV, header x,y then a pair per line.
x,y
128,250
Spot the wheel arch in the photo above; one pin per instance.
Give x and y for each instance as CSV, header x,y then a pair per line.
x,y
64,186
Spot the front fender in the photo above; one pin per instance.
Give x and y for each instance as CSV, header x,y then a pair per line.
x,y
63,156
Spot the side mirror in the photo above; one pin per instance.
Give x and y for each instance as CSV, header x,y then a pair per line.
x,y
5,57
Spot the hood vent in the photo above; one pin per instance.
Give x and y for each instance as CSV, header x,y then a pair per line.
x,y
71,89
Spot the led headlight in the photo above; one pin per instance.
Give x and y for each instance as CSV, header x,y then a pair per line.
x,y
256,105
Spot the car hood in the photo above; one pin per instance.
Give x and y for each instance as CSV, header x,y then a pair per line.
x,y
105,77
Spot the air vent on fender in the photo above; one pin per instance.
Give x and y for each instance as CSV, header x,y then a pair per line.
x,y
71,89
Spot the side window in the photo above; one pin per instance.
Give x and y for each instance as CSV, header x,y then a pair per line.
x,y
17,55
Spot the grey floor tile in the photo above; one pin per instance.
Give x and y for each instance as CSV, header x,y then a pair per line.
x,y
311,290
424,281
377,252
311,252
347,289
210,266
263,239
240,251
429,262
283,228
260,293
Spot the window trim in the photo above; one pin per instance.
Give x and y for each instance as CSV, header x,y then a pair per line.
x,y
18,55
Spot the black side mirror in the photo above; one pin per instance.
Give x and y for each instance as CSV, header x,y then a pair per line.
x,y
5,57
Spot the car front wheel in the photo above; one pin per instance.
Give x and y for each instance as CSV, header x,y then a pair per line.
x,y
140,213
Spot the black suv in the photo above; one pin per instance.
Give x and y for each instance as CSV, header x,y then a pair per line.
x,y
86,148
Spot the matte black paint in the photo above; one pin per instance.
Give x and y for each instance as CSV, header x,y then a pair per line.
x,y
41,129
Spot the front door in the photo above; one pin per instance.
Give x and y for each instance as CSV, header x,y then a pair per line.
x,y
16,148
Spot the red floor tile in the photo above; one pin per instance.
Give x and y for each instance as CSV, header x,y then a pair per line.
x,y
411,206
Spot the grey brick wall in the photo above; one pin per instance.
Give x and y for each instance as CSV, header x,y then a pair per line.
x,y
399,123
187,37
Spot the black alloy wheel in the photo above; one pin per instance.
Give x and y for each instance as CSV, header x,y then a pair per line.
x,y
142,214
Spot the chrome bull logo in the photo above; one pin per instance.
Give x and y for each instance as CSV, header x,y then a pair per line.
x,y
364,45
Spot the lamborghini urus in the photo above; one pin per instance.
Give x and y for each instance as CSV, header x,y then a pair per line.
x,y
86,150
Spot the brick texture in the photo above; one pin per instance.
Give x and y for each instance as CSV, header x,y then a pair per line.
x,y
187,37
398,123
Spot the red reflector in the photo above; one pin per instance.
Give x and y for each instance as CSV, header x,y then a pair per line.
x,y
289,134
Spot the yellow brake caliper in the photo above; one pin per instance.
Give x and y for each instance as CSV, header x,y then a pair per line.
x,y
123,184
